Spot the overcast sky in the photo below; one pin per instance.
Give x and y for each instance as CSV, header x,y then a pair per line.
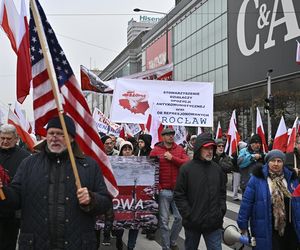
x,y
90,32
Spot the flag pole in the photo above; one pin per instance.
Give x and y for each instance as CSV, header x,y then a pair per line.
x,y
2,196
54,84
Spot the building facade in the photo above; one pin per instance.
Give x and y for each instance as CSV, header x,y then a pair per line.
x,y
233,44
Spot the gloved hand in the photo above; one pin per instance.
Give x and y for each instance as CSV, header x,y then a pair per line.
x,y
4,177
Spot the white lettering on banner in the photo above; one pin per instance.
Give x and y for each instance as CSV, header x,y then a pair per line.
x,y
127,204
289,19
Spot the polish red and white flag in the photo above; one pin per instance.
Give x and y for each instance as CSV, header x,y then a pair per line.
x,y
233,136
154,126
126,132
281,137
22,132
24,122
15,26
219,133
260,131
292,137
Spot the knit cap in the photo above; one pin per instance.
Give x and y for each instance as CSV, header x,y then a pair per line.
x,y
55,123
255,139
219,141
275,153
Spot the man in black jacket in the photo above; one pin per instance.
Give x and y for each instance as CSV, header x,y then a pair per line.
x,y
55,214
11,156
200,195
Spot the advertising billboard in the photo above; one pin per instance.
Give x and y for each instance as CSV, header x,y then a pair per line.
x,y
262,35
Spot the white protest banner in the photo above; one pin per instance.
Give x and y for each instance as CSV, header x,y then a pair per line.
x,y
134,128
177,103
104,125
180,134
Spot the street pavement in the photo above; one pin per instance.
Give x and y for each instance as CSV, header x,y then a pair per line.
x,y
144,244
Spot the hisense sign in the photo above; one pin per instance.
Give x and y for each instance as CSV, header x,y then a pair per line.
x,y
262,35
149,19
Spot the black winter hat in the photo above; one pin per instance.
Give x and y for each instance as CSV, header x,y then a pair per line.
x,y
146,138
104,138
55,123
255,139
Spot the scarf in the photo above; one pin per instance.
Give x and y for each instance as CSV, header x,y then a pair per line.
x,y
279,191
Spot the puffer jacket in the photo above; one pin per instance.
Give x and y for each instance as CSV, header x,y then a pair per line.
x,y
31,191
256,207
200,193
168,170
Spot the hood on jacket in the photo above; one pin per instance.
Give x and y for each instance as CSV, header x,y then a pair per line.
x,y
147,139
262,172
124,143
202,139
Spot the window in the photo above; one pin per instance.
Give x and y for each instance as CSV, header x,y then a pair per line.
x,y
211,58
205,61
219,80
218,55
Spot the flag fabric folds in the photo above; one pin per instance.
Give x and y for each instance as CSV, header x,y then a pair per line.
x,y
16,27
296,192
298,53
281,137
154,126
292,137
219,133
21,131
233,136
260,131
24,122
90,81
74,103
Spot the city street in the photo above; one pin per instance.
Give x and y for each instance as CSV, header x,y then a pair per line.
x,y
144,244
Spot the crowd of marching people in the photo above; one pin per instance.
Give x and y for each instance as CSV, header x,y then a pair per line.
x,y
46,208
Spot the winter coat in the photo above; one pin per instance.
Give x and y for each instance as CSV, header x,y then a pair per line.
x,y
256,206
225,162
247,163
11,159
32,191
200,193
168,170
290,162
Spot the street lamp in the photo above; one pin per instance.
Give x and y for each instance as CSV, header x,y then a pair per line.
x,y
167,35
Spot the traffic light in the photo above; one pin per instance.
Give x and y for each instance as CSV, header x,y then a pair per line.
x,y
272,105
269,105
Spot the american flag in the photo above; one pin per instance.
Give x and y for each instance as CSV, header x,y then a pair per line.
x,y
74,103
